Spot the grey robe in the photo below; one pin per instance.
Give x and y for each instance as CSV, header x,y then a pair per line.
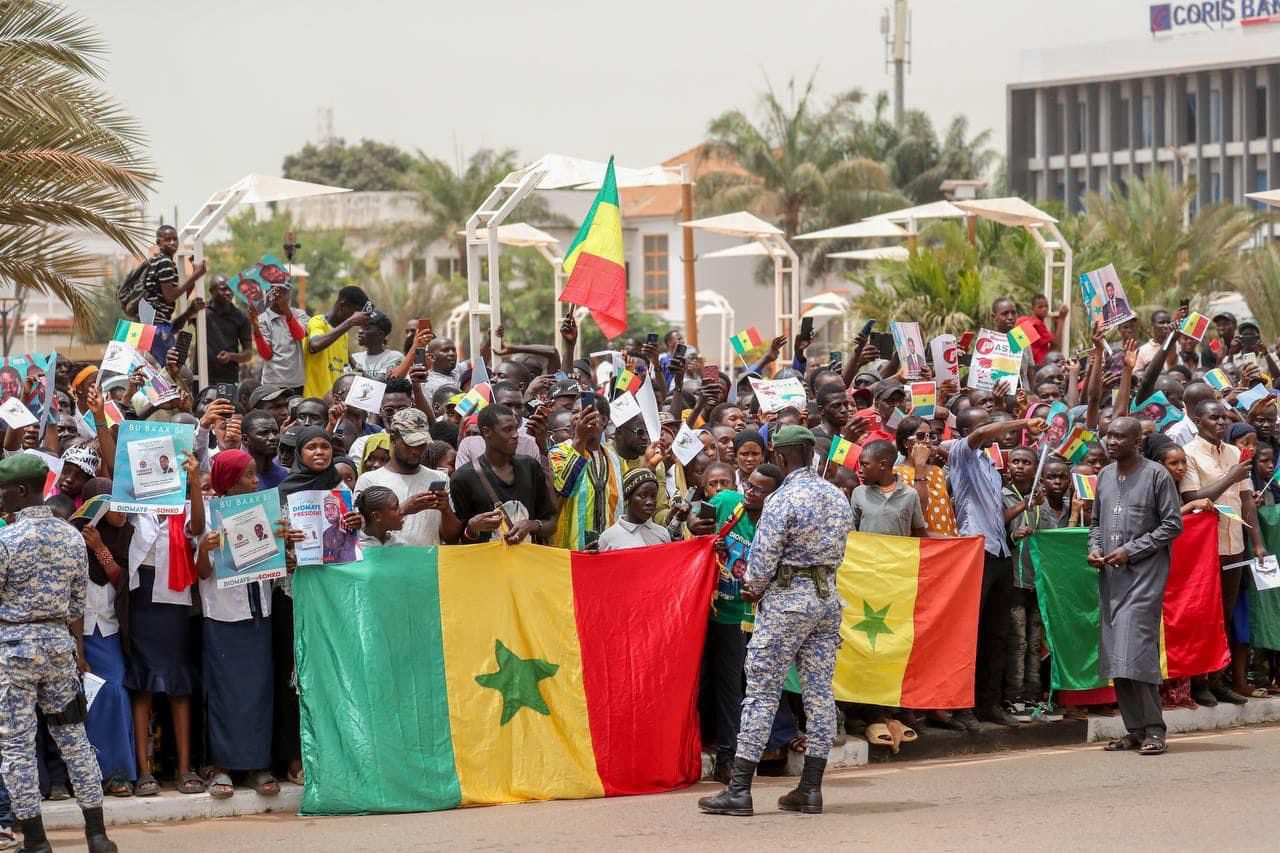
x,y
1131,597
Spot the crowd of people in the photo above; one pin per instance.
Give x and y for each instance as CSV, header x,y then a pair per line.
x,y
199,681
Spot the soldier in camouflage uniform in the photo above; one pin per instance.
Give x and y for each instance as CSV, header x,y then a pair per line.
x,y
798,545
43,571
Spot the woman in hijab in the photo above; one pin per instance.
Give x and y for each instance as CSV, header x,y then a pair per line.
x,y
104,637
238,656
748,446
376,453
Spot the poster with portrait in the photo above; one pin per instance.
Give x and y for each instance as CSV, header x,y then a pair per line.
x,y
251,549
993,360
1059,420
1158,408
318,514
1105,298
910,347
252,286
149,476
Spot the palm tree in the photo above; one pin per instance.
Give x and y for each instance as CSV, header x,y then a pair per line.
x,y
69,156
448,196
1160,262
1260,286
799,168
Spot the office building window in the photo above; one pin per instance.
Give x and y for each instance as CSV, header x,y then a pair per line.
x,y
1189,133
657,293
1148,119
1259,128
1058,128
1260,183
1077,142
1215,187
1121,139
1215,115
446,267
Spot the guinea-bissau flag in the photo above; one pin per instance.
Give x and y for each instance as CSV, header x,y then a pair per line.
x,y
909,636
431,678
595,263
1264,604
1192,641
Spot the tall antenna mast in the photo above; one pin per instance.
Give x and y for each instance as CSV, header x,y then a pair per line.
x,y
324,126
895,26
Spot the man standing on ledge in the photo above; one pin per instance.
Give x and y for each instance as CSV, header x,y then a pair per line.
x,y
43,571
799,543
1136,516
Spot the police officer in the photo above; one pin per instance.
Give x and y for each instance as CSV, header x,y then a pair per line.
x,y
43,571
798,545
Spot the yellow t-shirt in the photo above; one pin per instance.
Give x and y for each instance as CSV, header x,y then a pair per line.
x,y
323,368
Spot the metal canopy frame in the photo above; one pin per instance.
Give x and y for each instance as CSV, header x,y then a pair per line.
x,y
712,303
786,263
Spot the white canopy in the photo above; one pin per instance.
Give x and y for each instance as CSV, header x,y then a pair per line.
x,y
740,224
884,253
1271,197
517,234
1007,211
876,226
932,210
564,172
746,250
259,189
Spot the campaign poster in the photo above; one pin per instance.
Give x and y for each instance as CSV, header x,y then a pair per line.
x,y
251,548
318,514
1105,298
149,476
778,394
366,394
946,358
993,359
910,347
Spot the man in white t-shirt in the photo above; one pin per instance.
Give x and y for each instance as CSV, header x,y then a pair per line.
x,y
428,516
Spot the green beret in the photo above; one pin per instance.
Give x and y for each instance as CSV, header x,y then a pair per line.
x,y
21,467
792,435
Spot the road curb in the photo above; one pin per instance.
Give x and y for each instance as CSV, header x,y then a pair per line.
x,y
170,805
1182,720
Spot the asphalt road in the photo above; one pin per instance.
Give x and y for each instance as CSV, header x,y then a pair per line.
x,y
1212,791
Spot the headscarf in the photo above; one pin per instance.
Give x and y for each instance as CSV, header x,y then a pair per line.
x,y
83,457
84,374
302,478
747,436
377,441
227,469
1239,430
635,479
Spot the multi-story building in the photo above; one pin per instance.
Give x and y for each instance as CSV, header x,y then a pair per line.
x,y
1197,95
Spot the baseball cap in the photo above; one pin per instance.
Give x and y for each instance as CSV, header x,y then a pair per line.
x,y
566,388
265,392
792,435
1250,323
1224,315
887,388
412,426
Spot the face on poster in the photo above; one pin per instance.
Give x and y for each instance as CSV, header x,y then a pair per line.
x,y
1105,298
910,347
149,476
250,549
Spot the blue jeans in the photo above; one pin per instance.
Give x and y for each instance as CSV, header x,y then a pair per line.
x,y
6,816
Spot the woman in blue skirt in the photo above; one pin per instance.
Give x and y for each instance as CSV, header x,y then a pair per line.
x,y
110,722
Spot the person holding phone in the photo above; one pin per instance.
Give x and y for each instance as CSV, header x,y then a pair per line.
x,y
587,476
228,334
376,361
277,337
500,492
325,352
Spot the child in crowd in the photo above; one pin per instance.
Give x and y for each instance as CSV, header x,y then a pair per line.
x,y
636,528
718,477
380,509
883,504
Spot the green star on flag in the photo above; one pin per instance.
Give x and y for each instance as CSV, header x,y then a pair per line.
x,y
872,623
517,680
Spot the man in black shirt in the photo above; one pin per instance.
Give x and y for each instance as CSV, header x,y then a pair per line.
x,y
500,477
229,337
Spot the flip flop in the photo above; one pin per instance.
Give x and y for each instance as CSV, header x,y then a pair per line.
x,y
1152,745
298,778
191,783
264,784
1123,744
147,786
1259,693
878,734
220,787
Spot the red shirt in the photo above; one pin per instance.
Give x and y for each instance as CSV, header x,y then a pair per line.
x,y
1041,347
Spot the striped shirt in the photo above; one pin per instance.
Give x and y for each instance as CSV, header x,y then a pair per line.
x,y
160,270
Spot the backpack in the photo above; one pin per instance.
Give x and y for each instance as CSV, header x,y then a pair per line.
x,y
129,290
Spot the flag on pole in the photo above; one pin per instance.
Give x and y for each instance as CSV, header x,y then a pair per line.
x,y
1230,513
137,335
595,263
628,381
1194,326
1022,336
1086,486
473,401
844,452
746,340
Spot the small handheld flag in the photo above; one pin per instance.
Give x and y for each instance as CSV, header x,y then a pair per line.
x,y
1076,444
1194,326
473,401
628,381
924,399
596,263
1218,379
1086,486
844,452
137,335
93,509
996,456
746,340
1230,513
1022,336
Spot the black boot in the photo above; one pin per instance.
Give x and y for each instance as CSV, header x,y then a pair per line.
x,y
807,796
33,838
723,771
95,832
735,799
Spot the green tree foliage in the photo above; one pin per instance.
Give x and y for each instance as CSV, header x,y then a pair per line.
x,y
70,158
328,262
1260,286
367,165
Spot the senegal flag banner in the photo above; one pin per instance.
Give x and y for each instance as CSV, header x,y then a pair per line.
x,y
1191,637
1264,603
432,678
137,335
595,263
909,636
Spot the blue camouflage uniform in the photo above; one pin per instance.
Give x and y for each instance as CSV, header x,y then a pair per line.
x,y
804,524
43,571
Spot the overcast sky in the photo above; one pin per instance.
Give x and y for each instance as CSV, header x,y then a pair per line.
x,y
229,87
